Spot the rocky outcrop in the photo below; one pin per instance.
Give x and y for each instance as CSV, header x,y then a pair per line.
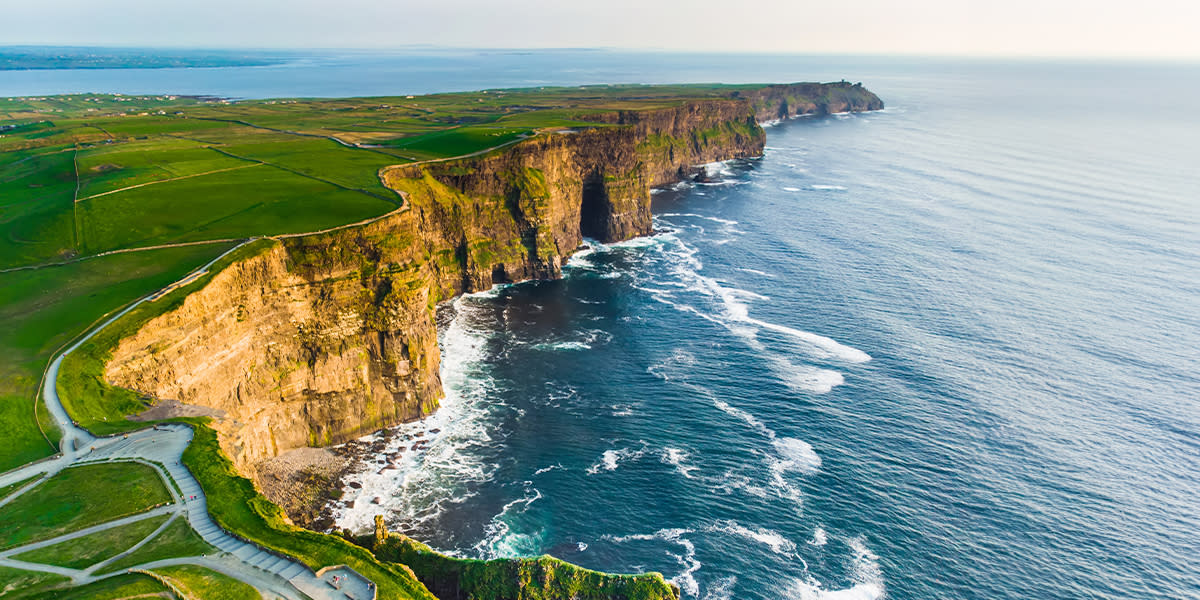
x,y
785,101
318,339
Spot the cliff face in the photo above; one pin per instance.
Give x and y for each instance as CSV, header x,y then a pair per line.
x,y
323,338
794,99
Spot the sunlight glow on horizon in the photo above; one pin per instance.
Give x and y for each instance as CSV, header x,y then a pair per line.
x,y
1018,28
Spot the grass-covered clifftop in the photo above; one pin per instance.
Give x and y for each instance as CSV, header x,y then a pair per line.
x,y
374,210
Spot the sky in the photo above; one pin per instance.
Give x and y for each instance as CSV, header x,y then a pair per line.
x,y
1027,28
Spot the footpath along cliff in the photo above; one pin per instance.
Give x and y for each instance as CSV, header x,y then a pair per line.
x,y
316,340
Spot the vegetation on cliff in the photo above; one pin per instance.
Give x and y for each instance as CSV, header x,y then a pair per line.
x,y
378,208
540,578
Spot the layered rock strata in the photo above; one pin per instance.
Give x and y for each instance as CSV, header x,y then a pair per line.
x,y
315,340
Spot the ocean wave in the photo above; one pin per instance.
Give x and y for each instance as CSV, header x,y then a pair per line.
x,y
827,188
699,216
806,378
826,347
750,419
795,455
819,538
757,272
734,313
686,579
622,410
414,472
500,541
721,589
611,459
678,458
548,469
865,575
586,340
772,539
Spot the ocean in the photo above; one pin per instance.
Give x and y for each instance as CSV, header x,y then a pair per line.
x,y
945,350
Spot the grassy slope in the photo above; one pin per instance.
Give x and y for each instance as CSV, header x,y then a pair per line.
x,y
198,582
8,489
80,497
15,582
88,550
237,506
177,540
43,309
114,588
539,578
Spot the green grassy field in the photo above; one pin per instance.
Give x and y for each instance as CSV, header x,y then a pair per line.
x,y
80,497
83,552
120,587
43,309
198,582
15,582
177,540
8,489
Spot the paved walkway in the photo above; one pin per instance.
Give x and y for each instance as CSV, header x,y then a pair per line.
x,y
162,447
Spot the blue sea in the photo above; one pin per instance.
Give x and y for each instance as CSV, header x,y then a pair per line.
x,y
945,350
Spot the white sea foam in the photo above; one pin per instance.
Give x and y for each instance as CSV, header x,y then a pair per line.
x,y
819,538
734,314
865,574
548,469
678,458
611,459
806,378
811,589
750,419
757,272
829,347
772,539
704,217
429,465
791,189
836,188
795,455
500,541
721,589
686,579
622,410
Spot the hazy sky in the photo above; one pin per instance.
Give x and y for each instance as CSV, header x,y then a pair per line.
x,y
1108,28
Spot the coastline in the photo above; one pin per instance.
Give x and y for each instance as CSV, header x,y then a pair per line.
x,y
594,184
334,486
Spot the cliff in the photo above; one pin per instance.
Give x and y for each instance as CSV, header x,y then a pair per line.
x,y
785,101
322,338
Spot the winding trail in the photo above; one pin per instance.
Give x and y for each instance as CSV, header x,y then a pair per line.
x,y
162,447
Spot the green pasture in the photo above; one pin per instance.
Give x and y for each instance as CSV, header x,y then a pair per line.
x,y
198,582
83,552
80,497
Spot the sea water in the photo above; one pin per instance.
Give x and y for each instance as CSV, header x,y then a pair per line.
x,y
946,350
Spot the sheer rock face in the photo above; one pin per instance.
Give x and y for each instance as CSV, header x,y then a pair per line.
x,y
785,101
319,339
